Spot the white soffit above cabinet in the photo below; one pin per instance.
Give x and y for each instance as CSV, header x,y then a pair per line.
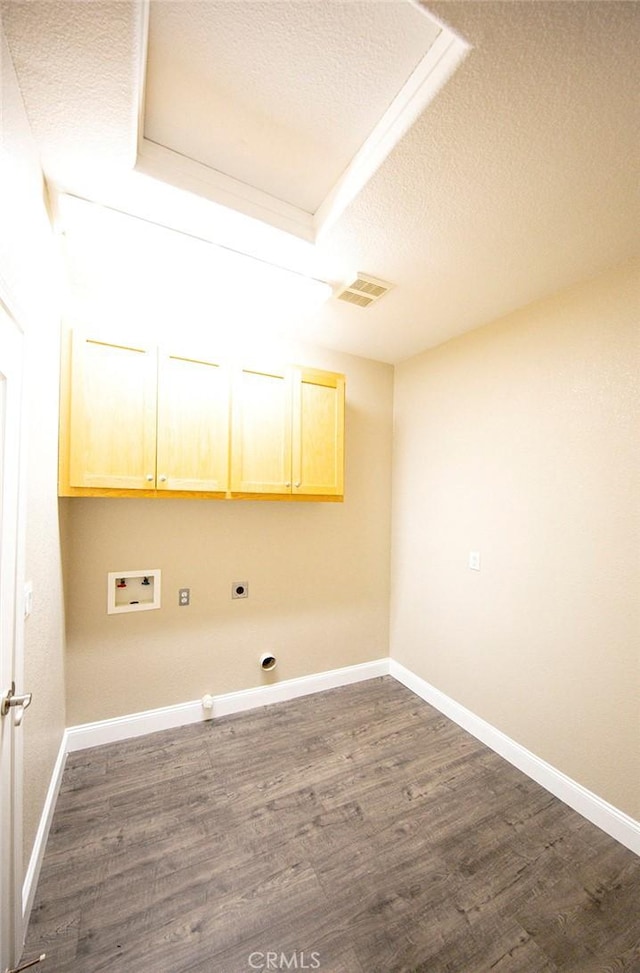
x,y
284,109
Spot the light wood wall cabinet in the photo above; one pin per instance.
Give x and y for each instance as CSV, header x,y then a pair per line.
x,y
139,421
288,434
142,421
261,432
317,457
193,425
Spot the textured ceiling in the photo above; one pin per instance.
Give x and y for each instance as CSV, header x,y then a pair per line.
x,y
279,95
519,179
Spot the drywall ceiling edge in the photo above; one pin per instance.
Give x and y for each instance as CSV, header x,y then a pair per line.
x,y
161,162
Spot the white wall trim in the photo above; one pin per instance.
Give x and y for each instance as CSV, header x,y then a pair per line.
x,y
430,74
37,852
137,724
608,818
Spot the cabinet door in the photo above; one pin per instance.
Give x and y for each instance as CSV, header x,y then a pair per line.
x,y
112,432
193,425
261,432
318,432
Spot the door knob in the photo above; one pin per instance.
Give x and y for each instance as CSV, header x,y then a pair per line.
x,y
19,703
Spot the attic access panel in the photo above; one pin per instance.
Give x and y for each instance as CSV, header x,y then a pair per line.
x,y
282,109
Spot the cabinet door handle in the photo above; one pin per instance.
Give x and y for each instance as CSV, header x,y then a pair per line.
x,y
149,477
287,484
297,484
162,478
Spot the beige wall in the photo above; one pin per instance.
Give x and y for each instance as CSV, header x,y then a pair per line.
x,y
521,440
29,282
318,576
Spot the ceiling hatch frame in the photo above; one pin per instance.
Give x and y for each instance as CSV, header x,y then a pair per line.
x,y
160,162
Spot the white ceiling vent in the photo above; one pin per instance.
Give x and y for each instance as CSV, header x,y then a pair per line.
x,y
364,290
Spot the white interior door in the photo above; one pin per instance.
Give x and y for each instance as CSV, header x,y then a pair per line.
x,y
10,640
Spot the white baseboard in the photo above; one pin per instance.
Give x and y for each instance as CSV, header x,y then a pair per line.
x,y
137,724
37,852
608,818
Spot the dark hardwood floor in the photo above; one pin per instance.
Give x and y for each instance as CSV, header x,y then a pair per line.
x,y
354,831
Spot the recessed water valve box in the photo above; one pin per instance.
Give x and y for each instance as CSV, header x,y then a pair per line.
x,y
133,591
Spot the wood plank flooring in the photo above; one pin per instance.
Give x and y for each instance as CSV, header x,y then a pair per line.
x,y
354,831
